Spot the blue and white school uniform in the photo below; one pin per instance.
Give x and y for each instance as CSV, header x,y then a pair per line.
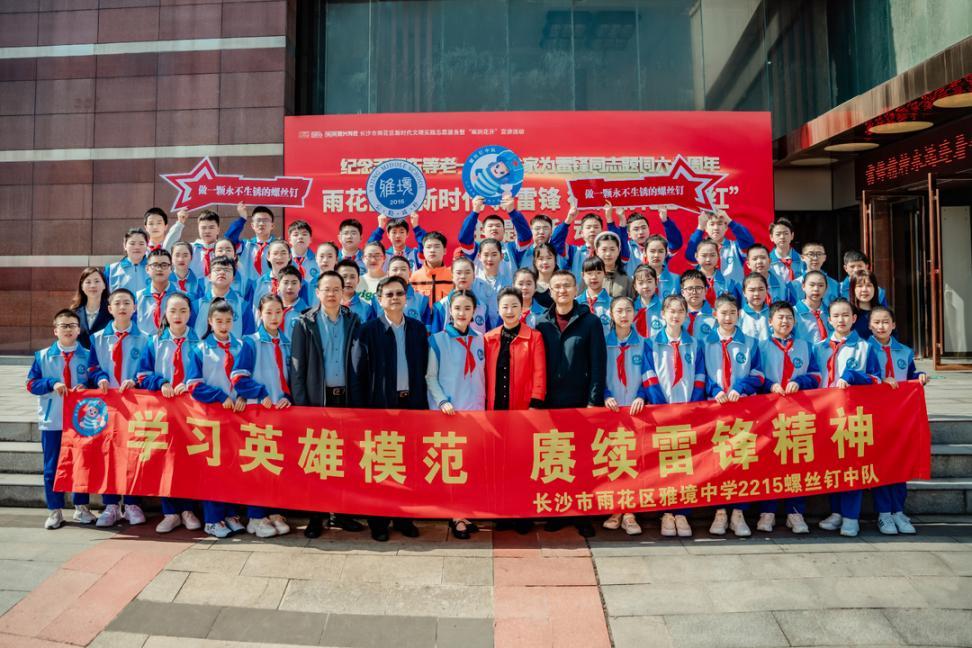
x,y
788,269
832,292
731,256
530,315
648,320
896,361
357,257
253,262
745,370
309,272
804,372
361,308
416,306
558,239
512,252
411,254
753,323
46,371
150,307
700,324
673,237
456,372
191,285
158,367
291,314
125,274
718,284
778,290
668,283
639,373
243,321
855,362
483,320
600,306
265,284
102,367
812,324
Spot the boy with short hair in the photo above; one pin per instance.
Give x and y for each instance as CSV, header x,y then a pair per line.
x,y
350,271
56,370
814,255
638,234
253,251
397,230
156,222
114,359
731,257
785,263
288,289
699,321
758,262
350,231
494,227
543,231
129,272
207,224
595,295
434,278
856,261
150,301
222,271
485,314
590,227
299,235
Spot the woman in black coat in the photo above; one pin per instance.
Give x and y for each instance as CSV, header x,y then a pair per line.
x,y
91,304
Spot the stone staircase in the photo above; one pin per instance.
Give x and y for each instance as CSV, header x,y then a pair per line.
x,y
949,491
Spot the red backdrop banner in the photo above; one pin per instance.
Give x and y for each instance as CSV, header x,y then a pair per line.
x,y
495,464
727,154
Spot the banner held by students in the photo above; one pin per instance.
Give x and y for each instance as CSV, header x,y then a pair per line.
x,y
531,463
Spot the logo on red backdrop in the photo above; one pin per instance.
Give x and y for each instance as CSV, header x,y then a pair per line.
x,y
396,188
680,188
490,172
203,186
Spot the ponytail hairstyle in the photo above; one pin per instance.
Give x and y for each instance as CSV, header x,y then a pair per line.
x,y
219,306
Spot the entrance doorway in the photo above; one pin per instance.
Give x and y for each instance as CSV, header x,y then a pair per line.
x,y
950,198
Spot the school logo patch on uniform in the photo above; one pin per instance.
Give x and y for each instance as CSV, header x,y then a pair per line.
x,y
852,363
740,357
688,357
480,320
480,355
797,362
636,359
901,363
656,325
90,417
135,354
706,329
604,320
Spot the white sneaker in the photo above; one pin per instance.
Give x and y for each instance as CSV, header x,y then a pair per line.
x,y
766,522
190,521
261,528
218,529
279,523
796,523
850,528
54,520
831,523
903,523
234,524
737,522
683,527
169,522
886,524
134,514
109,517
630,524
613,522
82,515
719,523
668,525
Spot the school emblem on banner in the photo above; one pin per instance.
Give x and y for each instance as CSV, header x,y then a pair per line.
x,y
90,417
396,188
492,171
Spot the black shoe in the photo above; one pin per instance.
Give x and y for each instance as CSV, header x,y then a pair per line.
x,y
346,523
379,535
456,533
585,529
523,527
407,528
553,525
315,527
472,527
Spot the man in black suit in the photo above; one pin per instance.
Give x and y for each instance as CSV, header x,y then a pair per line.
x,y
320,361
388,361
576,361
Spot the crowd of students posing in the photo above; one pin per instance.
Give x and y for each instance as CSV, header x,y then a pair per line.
x,y
531,323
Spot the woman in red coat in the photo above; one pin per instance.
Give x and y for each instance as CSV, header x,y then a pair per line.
x,y
516,369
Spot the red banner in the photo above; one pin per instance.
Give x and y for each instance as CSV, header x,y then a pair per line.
x,y
532,463
203,186
339,151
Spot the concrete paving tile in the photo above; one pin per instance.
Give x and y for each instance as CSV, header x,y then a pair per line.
x,y
837,627
397,569
165,619
292,565
181,642
577,616
640,632
232,590
945,591
16,641
209,562
519,633
867,592
320,596
697,568
24,575
164,587
933,627
782,565
510,544
732,545
109,639
8,599
268,626
458,570
543,571
41,606
59,552
740,630
625,570
248,543
469,633
363,631
960,564
762,595
521,602
877,564
439,601
655,599
821,542
636,546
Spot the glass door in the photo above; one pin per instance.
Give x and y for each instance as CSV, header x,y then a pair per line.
x,y
950,225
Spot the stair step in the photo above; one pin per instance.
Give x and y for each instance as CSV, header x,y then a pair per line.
x,y
950,430
19,431
21,457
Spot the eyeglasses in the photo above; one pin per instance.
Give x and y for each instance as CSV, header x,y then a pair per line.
x,y
68,327
814,254
261,221
693,289
160,266
397,293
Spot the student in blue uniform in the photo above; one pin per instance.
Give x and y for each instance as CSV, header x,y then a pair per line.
x,y
150,301
543,231
350,232
732,370
260,376
525,280
218,351
56,370
299,235
326,256
637,234
204,247
814,255
758,262
629,374
116,355
182,277
129,272
594,295
350,271
716,283
731,252
278,257
844,360
656,256
785,262
222,271
699,320
253,252
463,278
754,314
897,363
856,261
679,363
811,311
288,289
590,227
456,376
789,365
863,297
171,365
225,248
490,267
647,304
494,227
397,230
